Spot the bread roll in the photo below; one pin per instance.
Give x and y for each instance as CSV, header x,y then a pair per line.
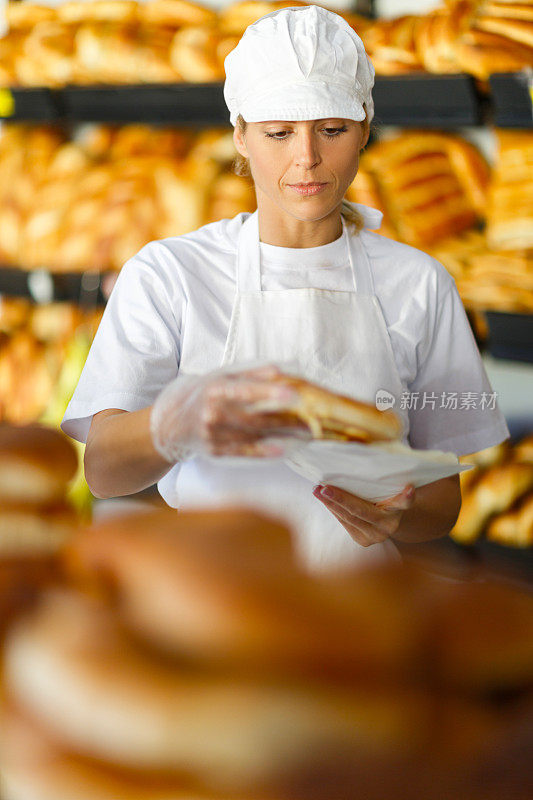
x,y
36,464
70,667
515,528
176,13
495,492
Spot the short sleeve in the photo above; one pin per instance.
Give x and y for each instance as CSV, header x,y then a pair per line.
x,y
136,349
452,406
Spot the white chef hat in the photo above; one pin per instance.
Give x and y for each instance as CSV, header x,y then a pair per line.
x,y
299,63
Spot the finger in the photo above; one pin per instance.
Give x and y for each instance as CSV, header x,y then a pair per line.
x,y
401,501
373,532
352,503
266,396
357,533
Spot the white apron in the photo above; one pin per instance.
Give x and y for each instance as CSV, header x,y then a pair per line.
x,y
335,338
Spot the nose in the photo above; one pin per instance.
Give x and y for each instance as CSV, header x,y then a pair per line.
x,y
306,152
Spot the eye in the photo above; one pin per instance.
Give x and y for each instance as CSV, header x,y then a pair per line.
x,y
332,132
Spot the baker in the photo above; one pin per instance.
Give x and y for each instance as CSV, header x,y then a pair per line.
x,y
175,373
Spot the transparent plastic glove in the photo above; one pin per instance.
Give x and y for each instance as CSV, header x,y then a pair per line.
x,y
224,413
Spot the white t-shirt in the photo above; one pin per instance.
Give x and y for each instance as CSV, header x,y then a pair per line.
x,y
176,287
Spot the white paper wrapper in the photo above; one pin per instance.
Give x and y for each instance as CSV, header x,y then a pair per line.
x,y
374,472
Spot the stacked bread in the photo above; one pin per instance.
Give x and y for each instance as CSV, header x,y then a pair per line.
x,y
36,343
510,199
191,657
122,41
479,37
430,185
36,466
498,496
94,202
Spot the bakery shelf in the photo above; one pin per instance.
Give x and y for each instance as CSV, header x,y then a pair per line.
x,y
429,101
454,561
182,104
512,99
510,335
32,105
441,101
43,286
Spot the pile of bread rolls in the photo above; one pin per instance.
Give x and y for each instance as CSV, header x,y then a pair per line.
x,y
37,464
479,37
498,495
124,41
190,656
37,344
436,191
94,202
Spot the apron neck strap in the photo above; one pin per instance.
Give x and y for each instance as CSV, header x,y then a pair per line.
x,y
249,258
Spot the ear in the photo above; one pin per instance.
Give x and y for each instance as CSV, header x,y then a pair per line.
x,y
366,133
238,140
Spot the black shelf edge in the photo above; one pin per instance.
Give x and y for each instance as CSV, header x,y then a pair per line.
x,y
183,104
43,286
510,335
512,99
423,100
31,105
439,101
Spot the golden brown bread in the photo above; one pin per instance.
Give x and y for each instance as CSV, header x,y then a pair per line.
x,y
104,10
514,529
226,587
496,491
176,13
36,464
430,185
329,415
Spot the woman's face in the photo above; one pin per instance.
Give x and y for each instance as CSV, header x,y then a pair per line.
x,y
283,154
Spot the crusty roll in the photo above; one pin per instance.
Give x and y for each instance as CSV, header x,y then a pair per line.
x,y
193,54
26,15
102,10
224,586
515,528
176,13
36,464
329,415
70,667
496,491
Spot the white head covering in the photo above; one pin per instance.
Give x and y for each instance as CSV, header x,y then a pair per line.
x,y
299,63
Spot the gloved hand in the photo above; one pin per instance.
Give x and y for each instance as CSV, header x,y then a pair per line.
x,y
224,413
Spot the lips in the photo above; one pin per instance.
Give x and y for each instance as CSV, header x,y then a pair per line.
x,y
307,188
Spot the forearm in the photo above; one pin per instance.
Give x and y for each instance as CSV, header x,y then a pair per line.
x,y
434,511
120,458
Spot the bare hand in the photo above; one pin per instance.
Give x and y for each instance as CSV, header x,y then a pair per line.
x,y
367,523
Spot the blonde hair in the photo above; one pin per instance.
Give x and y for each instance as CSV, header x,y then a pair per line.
x,y
241,167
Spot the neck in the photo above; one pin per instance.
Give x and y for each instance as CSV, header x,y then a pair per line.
x,y
280,229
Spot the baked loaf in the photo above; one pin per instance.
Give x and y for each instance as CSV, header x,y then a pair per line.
x,y
497,495
510,198
431,185
394,695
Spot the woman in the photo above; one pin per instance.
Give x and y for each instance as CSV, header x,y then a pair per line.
x,y
302,281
